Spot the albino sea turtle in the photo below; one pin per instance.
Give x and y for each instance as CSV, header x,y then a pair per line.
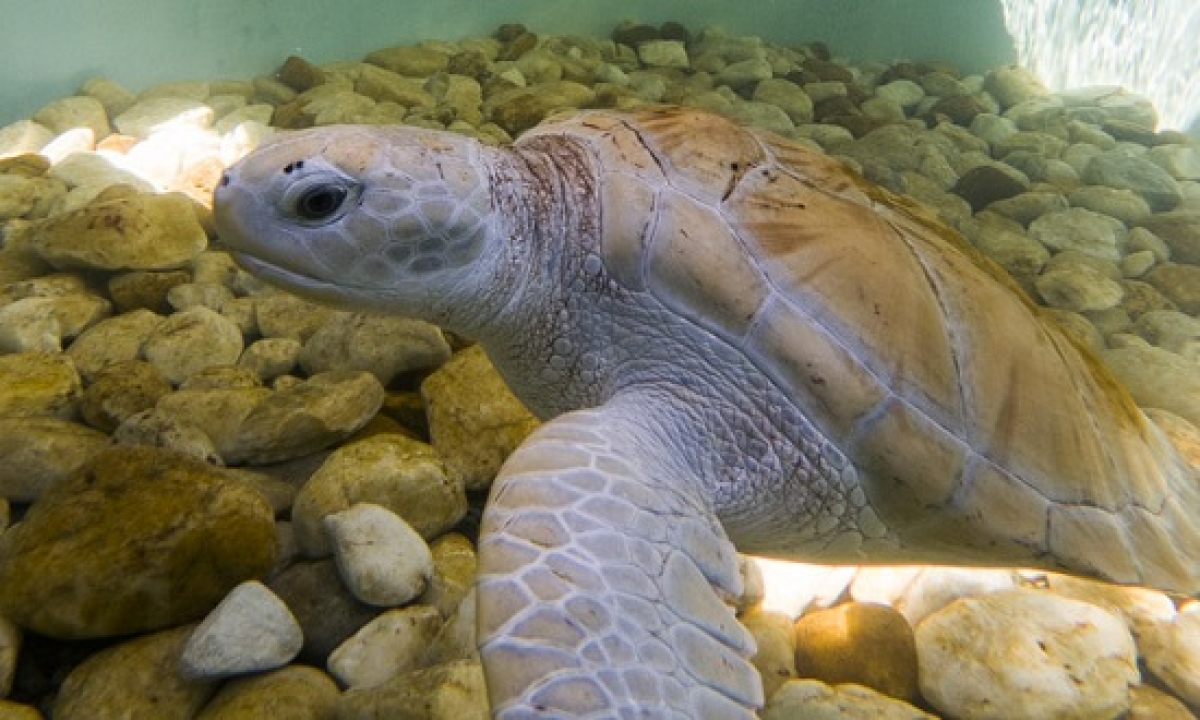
x,y
736,343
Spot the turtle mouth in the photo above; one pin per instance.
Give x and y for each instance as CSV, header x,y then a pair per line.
x,y
308,286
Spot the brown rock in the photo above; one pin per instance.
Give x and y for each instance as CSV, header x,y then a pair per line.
x,y
40,453
862,643
296,692
475,422
120,391
135,540
299,74
980,186
38,384
1179,283
327,612
136,679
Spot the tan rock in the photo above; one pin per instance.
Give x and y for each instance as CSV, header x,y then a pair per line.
x,y
453,691
860,643
391,644
775,640
10,646
190,341
136,679
475,422
121,390
384,346
40,453
403,475
306,418
38,384
135,540
115,340
454,567
142,232
296,692
814,700
74,112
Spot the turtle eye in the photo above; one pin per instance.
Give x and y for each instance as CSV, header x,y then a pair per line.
x,y
318,201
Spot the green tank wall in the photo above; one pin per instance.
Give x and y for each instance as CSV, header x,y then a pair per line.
x,y
48,48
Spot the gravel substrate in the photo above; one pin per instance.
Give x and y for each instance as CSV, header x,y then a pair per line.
x,y
219,500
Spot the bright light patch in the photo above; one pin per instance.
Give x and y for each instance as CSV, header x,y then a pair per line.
x,y
1146,46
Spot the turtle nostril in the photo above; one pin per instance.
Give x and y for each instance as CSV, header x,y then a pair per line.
x,y
224,179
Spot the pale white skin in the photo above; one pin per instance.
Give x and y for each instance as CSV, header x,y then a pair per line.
x,y
608,545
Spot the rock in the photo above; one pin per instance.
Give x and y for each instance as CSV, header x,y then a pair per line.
x,y
121,391
1140,608
286,316
787,96
663,54
40,453
1079,229
1122,204
1181,161
403,475
380,557
1078,288
139,232
137,679
158,114
904,93
327,612
23,136
135,540
1013,84
78,111
306,418
383,345
151,428
475,422
452,691
112,341
269,358
1029,206
1021,256
1026,653
299,74
1168,329
1172,652
190,341
744,72
1143,177
775,658
10,646
454,570
372,85
142,289
861,643
417,61
1181,231
44,323
518,109
38,384
814,700
250,631
391,644
980,186
296,692
1179,283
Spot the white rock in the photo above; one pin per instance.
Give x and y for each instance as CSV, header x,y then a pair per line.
x,y
814,700
382,560
919,594
42,323
1026,653
251,630
1172,651
160,113
392,643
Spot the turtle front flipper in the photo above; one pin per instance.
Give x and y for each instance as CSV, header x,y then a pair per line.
x,y
601,578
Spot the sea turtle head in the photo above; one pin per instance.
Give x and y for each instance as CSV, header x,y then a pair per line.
x,y
395,219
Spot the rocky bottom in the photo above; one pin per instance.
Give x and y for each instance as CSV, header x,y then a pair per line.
x,y
221,501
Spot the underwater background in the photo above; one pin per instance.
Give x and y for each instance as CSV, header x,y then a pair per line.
x,y
152,341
